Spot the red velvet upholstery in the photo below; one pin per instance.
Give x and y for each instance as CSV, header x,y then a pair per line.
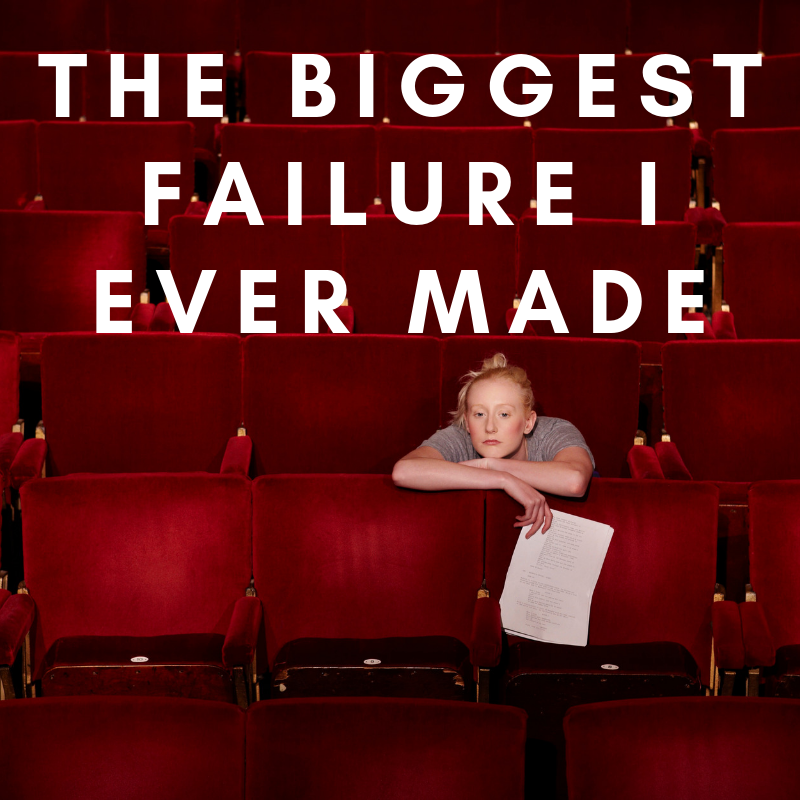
x,y
269,90
693,30
657,581
303,26
762,265
54,25
756,174
162,555
384,747
333,388
28,91
18,167
241,639
730,408
486,644
562,372
607,170
104,747
691,748
238,454
383,260
644,464
171,92
575,26
569,255
9,447
9,379
476,107
187,26
455,148
766,88
779,21
112,148
722,323
394,563
728,638
28,462
139,403
265,150
50,262
447,26
16,617
671,462
709,223
759,646
234,245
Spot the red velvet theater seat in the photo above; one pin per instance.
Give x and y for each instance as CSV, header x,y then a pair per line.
x,y
772,95
234,245
78,159
303,26
166,560
269,90
54,25
683,747
606,175
389,748
10,428
103,747
265,150
367,589
337,402
762,266
140,403
383,260
448,26
574,26
171,93
756,174
592,383
455,148
693,30
28,91
18,165
779,20
650,612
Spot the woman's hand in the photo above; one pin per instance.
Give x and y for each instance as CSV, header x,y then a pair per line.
x,y
535,508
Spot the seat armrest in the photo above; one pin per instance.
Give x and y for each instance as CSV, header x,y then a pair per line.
x,y
16,618
644,464
240,641
486,643
698,316
759,648
723,326
238,453
727,627
671,462
709,223
142,316
28,463
10,444
347,315
163,319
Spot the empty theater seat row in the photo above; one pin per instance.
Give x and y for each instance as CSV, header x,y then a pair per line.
x,y
688,29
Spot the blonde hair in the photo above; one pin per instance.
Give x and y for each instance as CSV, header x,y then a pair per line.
x,y
495,367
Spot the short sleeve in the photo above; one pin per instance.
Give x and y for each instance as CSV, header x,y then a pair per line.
x,y
559,435
453,443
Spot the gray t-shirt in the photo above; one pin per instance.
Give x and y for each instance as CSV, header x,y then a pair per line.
x,y
550,435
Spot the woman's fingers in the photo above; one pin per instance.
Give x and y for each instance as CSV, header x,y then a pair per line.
x,y
548,518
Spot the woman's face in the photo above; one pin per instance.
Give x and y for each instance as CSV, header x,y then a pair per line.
x,y
496,419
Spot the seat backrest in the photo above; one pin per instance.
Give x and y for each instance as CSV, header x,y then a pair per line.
x,y
18,166
384,747
606,174
657,581
383,260
269,89
455,148
355,557
686,747
265,150
760,259
573,26
566,376
162,748
28,91
9,380
730,407
569,255
50,262
54,25
756,174
766,102
775,554
693,30
113,148
235,245
140,402
779,25
162,554
338,403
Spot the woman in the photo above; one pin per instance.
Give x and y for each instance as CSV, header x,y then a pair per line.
x,y
496,441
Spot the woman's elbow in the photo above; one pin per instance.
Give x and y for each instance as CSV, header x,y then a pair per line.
x,y
579,483
400,473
